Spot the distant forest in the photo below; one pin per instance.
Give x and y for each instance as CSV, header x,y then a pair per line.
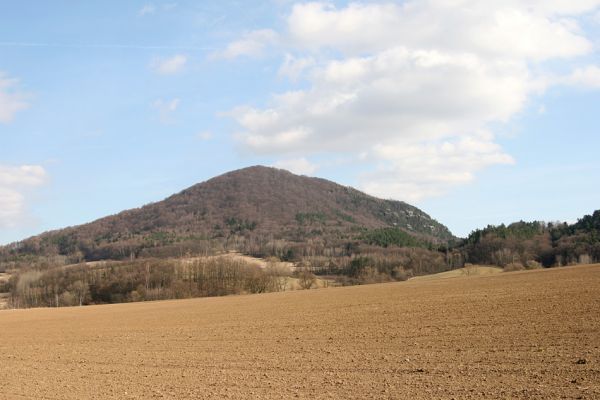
x,y
549,244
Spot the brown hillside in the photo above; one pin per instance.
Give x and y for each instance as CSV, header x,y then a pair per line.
x,y
256,203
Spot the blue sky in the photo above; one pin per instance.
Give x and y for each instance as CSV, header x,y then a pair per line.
x,y
477,113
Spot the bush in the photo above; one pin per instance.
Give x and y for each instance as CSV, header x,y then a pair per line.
x,y
400,274
67,299
306,279
532,264
515,266
372,275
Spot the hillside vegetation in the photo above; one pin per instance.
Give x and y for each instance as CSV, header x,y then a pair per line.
x,y
258,210
315,226
531,243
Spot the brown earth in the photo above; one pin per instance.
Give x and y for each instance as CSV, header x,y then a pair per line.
x,y
533,335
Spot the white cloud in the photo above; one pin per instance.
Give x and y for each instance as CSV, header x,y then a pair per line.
x,y
293,67
150,8
585,77
15,184
26,175
171,65
299,166
523,29
147,9
166,108
398,95
559,7
11,100
251,44
422,170
411,87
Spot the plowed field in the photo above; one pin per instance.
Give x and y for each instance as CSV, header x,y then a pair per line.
x,y
529,335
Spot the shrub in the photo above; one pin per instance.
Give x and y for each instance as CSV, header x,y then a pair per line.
x,y
306,279
67,299
400,274
372,275
515,266
532,264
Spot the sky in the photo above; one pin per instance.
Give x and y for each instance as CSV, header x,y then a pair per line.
x,y
477,112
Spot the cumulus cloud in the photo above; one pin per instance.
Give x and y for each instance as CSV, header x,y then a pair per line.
x,y
171,65
11,99
504,28
398,95
15,184
251,44
299,166
414,87
434,167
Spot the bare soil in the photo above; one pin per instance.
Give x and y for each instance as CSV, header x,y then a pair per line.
x,y
528,335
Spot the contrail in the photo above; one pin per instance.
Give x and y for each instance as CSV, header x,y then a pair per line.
x,y
102,46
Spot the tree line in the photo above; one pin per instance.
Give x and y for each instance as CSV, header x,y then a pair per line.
x,y
549,244
140,280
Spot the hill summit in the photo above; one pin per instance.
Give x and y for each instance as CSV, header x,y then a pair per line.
x,y
246,210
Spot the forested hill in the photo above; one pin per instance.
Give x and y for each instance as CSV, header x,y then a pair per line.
x,y
257,210
549,244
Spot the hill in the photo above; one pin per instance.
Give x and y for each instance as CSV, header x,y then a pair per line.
x,y
257,210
